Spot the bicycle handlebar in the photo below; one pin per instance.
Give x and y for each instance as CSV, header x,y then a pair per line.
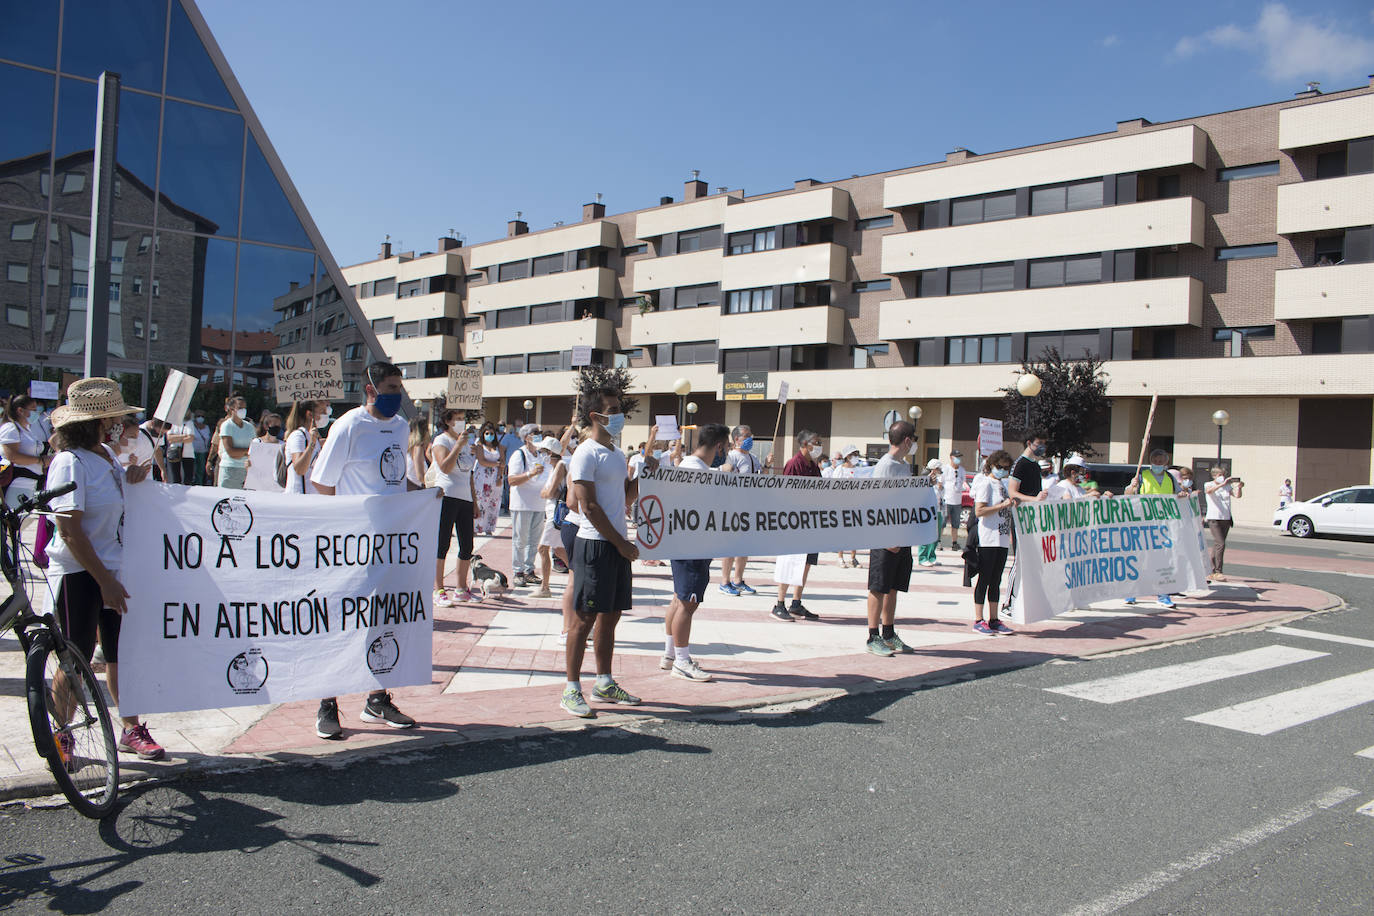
x,y
41,499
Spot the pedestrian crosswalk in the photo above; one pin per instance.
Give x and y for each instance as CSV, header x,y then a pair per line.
x,y
1137,684
1270,714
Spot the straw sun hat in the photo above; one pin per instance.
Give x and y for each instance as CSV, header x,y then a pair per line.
x,y
92,399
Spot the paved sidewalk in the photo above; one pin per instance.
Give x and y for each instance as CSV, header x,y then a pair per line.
x,y
498,665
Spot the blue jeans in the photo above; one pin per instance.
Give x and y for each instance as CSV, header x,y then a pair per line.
x,y
526,530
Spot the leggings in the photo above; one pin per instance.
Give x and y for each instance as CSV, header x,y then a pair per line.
x,y
991,562
457,513
81,613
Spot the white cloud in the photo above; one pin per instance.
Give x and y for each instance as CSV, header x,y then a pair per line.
x,y
1110,41
1290,47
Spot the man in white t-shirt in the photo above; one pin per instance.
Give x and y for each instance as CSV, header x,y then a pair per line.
x,y
1219,492
526,473
889,568
147,449
741,460
602,552
365,455
953,484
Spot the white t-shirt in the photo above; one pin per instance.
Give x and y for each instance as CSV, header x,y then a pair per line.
x,y
458,482
364,456
888,466
636,464
26,440
741,462
576,518
1218,504
993,530
1065,489
297,442
693,463
239,436
185,429
952,482
607,470
526,497
99,496
140,450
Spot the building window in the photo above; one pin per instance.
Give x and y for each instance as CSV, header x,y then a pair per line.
x,y
1163,344
407,329
740,301
508,365
701,295
696,353
138,328
1070,344
23,231
144,244
980,278
754,359
1256,170
872,286
545,362
383,325
991,349
1167,186
874,222
634,250
138,286
622,358
410,288
511,318
473,278
514,270
1070,195
17,315
156,290
353,351
16,272
1331,165
983,209
73,183
1065,271
1235,338
1243,252
694,240
863,354
548,264
1326,336
754,240
546,314
384,287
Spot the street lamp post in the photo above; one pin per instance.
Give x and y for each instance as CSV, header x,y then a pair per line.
x,y
529,405
1220,418
691,416
1028,386
682,387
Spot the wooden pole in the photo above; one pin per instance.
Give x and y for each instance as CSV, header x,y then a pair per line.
x,y
1145,442
776,428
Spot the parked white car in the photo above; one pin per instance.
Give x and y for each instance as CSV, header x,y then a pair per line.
x,y
1349,510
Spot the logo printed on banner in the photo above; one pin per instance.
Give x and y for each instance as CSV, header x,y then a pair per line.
x,y
651,521
383,653
232,518
247,672
392,464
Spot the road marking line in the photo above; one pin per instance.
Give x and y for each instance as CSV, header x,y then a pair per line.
x,y
1367,752
1246,838
1121,687
1366,809
1293,707
1329,637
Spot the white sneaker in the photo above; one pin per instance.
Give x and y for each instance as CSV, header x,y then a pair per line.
x,y
444,598
666,662
690,671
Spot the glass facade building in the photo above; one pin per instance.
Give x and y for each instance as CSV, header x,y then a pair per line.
x,y
215,264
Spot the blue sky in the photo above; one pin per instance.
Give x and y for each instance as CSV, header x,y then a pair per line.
x,y
416,117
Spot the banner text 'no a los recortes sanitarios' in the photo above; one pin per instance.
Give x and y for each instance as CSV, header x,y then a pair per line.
x,y
686,514
241,598
1072,553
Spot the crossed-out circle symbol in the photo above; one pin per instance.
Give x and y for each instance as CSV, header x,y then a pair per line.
x,y
651,521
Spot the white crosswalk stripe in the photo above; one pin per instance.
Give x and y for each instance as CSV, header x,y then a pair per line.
x,y
1328,637
1367,752
1366,809
1151,681
1270,714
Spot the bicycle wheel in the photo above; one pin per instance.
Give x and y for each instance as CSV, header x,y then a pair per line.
x,y
71,726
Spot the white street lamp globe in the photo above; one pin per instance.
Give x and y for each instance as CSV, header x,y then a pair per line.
x,y
915,412
682,387
1028,385
1221,418
691,406
529,405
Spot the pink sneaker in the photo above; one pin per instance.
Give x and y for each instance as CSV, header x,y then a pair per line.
x,y
66,750
468,594
443,598
136,740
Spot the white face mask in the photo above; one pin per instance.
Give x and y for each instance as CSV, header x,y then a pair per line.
x,y
322,421
241,412
817,451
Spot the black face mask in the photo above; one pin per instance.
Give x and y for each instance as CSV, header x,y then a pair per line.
x,y
274,432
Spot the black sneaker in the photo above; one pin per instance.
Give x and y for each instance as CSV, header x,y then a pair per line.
x,y
780,612
327,720
799,610
518,580
380,709
531,579
559,566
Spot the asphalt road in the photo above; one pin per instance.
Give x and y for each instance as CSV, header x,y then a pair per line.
x,y
991,795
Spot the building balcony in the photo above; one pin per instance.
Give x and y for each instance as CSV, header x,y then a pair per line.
x,y
1331,203
529,385
1326,122
1176,221
420,349
1323,292
1133,304
817,325
413,308
596,333
660,379
805,264
597,234
674,325
799,207
591,283
698,214
689,269
1137,152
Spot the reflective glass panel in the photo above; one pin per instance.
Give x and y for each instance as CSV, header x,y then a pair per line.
x,y
137,146
68,251
76,104
190,72
26,100
22,236
267,215
30,34
124,36
202,162
209,287
270,280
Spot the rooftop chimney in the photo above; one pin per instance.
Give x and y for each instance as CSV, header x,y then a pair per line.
x,y
593,211
386,249
1313,88
668,200
804,183
517,226
694,189
959,154
448,243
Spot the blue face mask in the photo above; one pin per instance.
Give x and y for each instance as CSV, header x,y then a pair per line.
x,y
1157,468
658,454
746,444
388,404
490,437
615,423
1001,473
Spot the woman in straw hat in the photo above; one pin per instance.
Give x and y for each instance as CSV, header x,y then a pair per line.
x,y
86,555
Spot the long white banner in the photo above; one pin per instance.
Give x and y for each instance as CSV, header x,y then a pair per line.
x,y
241,598
686,514
1071,553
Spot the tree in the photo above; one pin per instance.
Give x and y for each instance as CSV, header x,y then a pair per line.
x,y
1071,404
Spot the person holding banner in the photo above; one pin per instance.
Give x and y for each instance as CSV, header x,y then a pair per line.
x,y
1025,485
603,553
802,464
740,461
1156,480
365,456
1070,485
85,556
889,568
453,464
690,577
992,505
302,444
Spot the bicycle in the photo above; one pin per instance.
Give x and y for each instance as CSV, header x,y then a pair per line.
x,y
68,714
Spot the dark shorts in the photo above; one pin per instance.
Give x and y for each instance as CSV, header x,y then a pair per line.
x,y
690,578
455,513
888,571
601,578
569,534
81,613
813,559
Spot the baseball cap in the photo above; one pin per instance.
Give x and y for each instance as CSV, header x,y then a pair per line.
x,y
1075,460
956,454
551,444
932,464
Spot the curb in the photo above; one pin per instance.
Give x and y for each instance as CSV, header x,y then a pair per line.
x,y
37,788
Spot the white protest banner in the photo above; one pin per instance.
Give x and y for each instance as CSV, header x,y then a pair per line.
x,y
262,467
44,391
667,428
176,397
242,598
308,377
1073,552
581,356
464,388
989,435
686,514
782,391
